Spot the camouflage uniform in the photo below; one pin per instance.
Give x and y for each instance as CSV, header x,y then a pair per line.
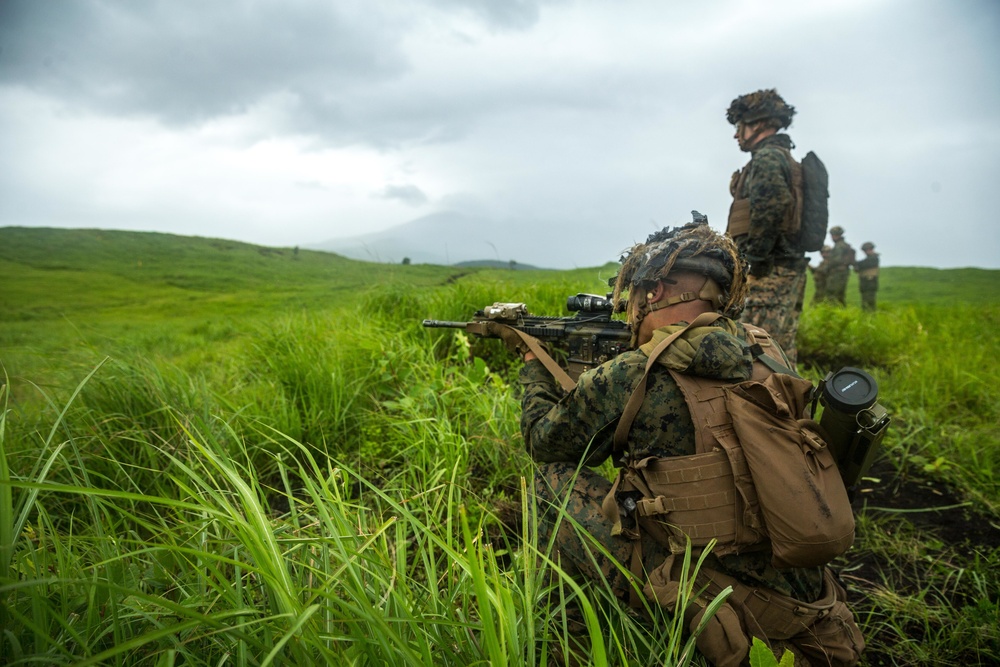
x,y
820,273
775,299
867,270
841,260
566,431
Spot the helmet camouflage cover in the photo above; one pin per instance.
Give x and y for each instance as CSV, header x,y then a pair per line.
x,y
694,247
760,105
867,245
836,230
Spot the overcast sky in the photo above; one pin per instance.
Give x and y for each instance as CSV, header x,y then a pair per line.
x,y
293,122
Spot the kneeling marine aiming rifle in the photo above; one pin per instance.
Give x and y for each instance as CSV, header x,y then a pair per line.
x,y
852,418
583,341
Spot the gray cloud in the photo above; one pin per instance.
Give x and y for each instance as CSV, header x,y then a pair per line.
x,y
579,116
186,62
500,14
408,194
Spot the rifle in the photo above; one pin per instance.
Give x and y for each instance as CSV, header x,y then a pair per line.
x,y
584,340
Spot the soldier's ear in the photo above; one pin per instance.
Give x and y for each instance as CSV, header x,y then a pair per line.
x,y
656,292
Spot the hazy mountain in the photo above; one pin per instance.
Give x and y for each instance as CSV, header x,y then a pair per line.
x,y
450,237
440,238
494,264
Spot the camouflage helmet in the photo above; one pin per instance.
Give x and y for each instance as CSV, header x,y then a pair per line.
x,y
760,105
694,247
836,230
867,245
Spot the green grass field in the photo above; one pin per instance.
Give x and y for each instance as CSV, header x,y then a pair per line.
x,y
215,453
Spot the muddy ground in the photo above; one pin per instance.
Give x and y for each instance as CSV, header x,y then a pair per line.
x,y
953,539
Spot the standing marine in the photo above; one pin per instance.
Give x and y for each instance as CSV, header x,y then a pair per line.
x,y
841,261
867,270
766,208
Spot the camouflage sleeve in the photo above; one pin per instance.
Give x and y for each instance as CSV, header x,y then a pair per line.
x,y
768,184
571,427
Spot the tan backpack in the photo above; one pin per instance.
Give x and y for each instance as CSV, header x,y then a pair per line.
x,y
803,502
784,483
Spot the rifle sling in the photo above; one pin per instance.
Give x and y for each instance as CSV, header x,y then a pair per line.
x,y
561,376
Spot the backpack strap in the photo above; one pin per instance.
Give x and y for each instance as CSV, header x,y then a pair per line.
x,y
610,504
793,220
764,350
639,393
775,365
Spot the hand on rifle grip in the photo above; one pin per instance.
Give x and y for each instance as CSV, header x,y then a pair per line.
x,y
509,337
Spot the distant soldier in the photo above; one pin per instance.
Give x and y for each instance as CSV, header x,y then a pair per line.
x,y
819,274
867,270
841,261
764,200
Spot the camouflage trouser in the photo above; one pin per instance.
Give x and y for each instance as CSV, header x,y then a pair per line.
x,y
868,289
868,300
820,294
836,285
583,491
775,303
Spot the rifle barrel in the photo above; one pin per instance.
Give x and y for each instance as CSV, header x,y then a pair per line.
x,y
443,324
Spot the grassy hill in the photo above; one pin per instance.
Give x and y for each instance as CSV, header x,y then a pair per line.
x,y
187,298
214,452
148,265
496,264
905,284
47,273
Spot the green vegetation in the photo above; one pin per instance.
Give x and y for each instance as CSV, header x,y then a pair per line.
x,y
213,453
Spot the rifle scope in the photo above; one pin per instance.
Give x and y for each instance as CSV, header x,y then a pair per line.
x,y
589,303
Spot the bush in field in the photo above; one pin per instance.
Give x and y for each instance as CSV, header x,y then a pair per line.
x,y
830,337
314,379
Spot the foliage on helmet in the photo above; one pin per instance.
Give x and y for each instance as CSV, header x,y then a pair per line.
x,y
760,105
694,247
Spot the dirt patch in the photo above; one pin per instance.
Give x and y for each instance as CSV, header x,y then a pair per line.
x,y
948,535
928,504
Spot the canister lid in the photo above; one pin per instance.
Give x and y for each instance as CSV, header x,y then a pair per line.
x,y
850,390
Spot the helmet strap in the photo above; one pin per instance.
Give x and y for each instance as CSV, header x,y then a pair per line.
x,y
680,298
762,129
710,291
